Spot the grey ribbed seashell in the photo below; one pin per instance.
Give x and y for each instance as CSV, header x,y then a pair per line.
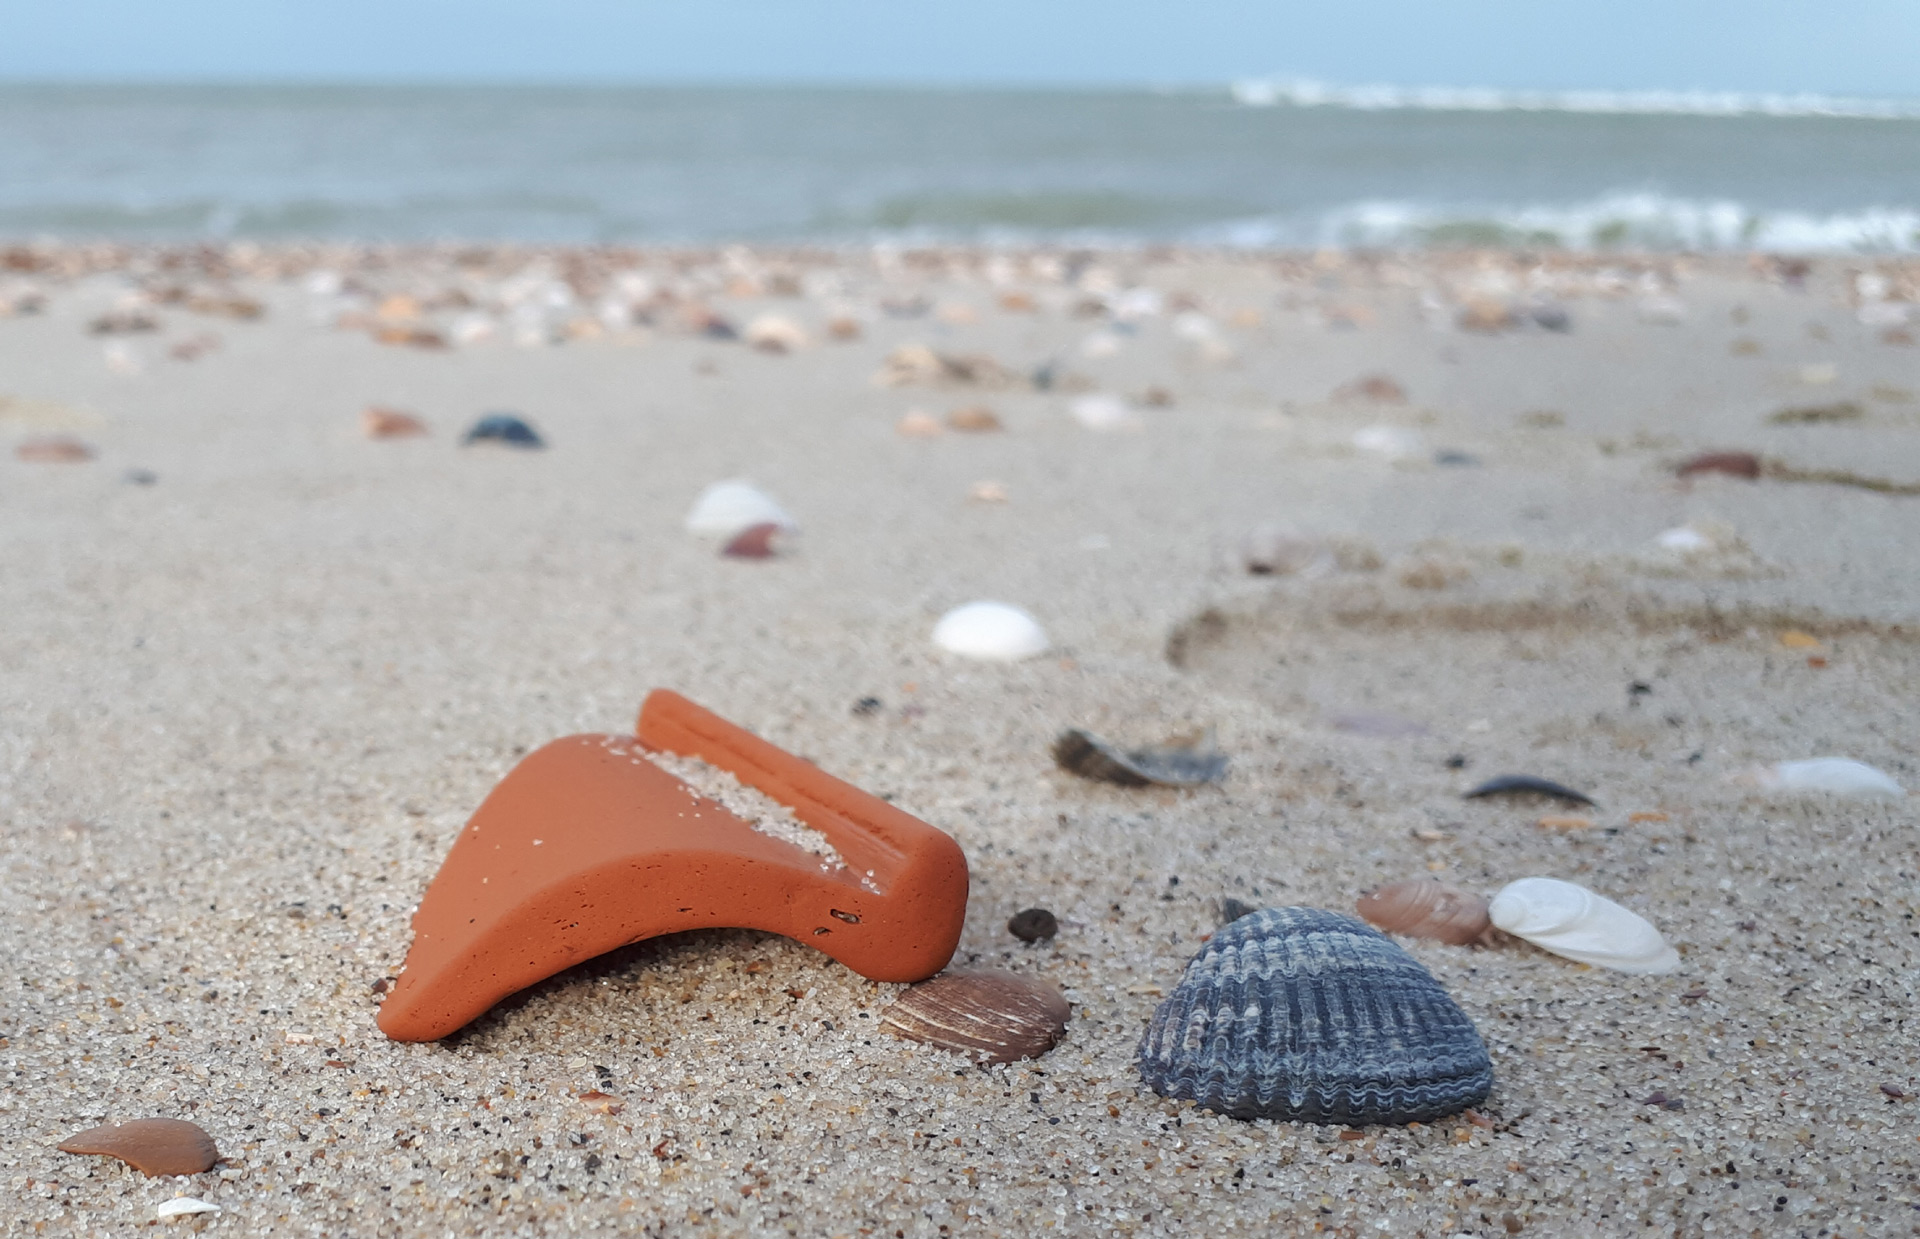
x,y
1296,1013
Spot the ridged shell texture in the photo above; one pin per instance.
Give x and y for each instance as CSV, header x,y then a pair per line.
x,y
1298,1013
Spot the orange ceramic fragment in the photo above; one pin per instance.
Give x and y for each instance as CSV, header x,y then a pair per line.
x,y
587,846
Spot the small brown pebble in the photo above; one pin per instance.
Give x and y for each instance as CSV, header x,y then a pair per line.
x,y
379,423
974,419
55,451
1512,1224
380,986
843,327
754,542
1033,925
605,1103
994,1016
1564,823
152,1146
1815,661
1733,464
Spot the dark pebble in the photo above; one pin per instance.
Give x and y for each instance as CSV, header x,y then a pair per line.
x,y
1232,909
1033,925
867,706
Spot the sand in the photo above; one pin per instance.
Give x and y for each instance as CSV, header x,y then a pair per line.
x,y
250,700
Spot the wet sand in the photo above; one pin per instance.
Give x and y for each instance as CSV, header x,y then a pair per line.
x,y
252,693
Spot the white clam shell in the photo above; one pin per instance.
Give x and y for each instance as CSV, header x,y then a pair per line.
x,y
181,1206
992,631
1103,413
1571,921
726,508
1392,442
1841,775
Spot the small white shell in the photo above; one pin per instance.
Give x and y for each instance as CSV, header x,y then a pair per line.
x,y
180,1206
1103,413
1841,775
992,631
1572,921
1392,442
726,508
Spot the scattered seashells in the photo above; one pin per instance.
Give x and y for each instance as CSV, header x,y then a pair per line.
x,y
1307,1015
975,419
1526,785
991,631
727,509
1842,776
504,428
379,423
1571,921
1104,413
151,1146
775,333
58,450
1186,762
185,1206
997,1017
1423,908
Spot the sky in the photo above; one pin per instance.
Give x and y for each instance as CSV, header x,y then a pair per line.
x,y
1846,47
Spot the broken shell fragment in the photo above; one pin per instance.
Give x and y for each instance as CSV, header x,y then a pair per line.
x,y
151,1146
730,508
990,631
379,423
1180,763
183,1206
1842,776
1421,908
1307,1015
1733,464
974,419
506,429
1571,921
997,1017
59,450
775,333
1526,785
753,542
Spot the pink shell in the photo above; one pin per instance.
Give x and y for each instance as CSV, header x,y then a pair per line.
x,y
1421,908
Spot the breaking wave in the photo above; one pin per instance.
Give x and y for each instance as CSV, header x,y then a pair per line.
x,y
1305,93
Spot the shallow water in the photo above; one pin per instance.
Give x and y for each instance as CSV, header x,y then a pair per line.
x,y
855,165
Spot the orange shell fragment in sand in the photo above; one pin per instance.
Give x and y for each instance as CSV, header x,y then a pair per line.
x,y
587,846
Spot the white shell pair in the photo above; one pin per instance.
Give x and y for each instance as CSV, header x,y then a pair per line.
x,y
1571,921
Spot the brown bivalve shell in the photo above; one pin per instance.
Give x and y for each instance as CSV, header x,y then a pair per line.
x,y
1420,908
994,1016
151,1146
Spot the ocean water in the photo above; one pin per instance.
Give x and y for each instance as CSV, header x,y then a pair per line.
x,y
1259,164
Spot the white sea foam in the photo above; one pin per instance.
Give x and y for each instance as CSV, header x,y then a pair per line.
x,y
1306,93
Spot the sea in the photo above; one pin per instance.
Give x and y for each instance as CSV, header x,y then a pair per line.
x,y
1249,164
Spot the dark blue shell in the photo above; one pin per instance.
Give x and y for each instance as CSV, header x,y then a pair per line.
x,y
1297,1013
504,428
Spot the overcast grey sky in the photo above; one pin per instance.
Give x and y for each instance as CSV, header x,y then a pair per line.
x,y
1867,47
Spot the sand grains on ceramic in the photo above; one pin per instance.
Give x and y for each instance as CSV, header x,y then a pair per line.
x,y
1308,1015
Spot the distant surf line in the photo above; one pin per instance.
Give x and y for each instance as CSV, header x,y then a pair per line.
x,y
1308,93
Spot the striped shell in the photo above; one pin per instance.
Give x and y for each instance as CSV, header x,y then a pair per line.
x,y
1423,908
994,1016
1296,1013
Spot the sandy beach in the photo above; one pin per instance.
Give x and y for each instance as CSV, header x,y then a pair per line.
x,y
258,669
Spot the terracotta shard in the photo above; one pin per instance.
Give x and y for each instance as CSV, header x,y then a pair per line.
x,y
151,1146
994,1016
588,845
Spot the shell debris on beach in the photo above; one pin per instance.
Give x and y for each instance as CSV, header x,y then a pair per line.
x,y
1372,516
